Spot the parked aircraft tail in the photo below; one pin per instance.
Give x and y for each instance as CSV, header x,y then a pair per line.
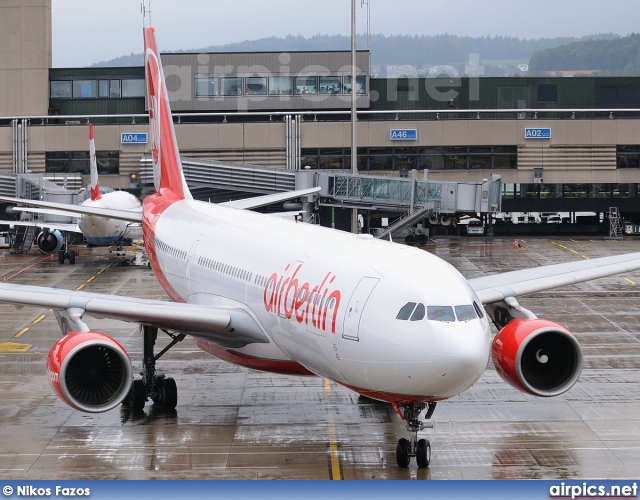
x,y
93,167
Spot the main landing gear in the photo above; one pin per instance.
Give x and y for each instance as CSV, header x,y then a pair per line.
x,y
413,447
65,252
155,386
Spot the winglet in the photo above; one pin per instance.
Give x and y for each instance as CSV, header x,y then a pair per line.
x,y
94,186
168,178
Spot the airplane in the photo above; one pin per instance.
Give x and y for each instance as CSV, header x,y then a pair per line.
x,y
96,230
389,321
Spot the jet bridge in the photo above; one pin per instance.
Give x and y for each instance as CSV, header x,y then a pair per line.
x,y
417,198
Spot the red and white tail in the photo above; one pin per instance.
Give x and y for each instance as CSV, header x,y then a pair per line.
x,y
93,167
168,178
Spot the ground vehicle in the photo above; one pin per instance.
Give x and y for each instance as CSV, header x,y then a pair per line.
x,y
475,227
550,217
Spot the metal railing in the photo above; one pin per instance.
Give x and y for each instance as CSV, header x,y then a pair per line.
x,y
343,115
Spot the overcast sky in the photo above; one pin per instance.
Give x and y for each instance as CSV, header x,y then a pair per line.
x,y
89,31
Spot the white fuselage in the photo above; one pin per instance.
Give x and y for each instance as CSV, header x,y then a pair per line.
x,y
331,301
99,230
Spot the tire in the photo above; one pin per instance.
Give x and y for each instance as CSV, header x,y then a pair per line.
x,y
137,395
402,453
169,394
423,453
72,257
60,256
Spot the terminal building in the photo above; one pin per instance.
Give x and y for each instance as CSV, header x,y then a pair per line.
x,y
558,144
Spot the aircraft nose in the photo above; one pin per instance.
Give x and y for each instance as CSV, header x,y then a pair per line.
x,y
462,355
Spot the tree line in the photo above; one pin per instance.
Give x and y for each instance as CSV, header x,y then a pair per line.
x,y
416,50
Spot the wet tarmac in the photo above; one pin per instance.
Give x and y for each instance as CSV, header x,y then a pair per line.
x,y
234,423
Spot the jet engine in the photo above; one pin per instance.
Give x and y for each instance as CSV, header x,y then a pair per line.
x,y
537,356
89,371
50,241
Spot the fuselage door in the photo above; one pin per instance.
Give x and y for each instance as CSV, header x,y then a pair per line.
x,y
358,300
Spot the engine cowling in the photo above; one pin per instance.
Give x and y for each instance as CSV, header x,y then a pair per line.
x,y
89,371
537,356
50,241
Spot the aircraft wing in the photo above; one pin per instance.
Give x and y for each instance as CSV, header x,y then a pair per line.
x,y
61,226
261,201
213,323
126,215
497,287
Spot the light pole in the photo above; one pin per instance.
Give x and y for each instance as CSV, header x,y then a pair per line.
x,y
354,138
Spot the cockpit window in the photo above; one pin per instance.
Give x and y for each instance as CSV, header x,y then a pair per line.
x,y
418,314
478,310
406,311
465,313
440,313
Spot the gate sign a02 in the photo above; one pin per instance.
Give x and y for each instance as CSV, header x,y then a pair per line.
x,y
537,133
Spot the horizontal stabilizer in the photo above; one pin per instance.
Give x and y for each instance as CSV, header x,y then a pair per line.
x,y
261,201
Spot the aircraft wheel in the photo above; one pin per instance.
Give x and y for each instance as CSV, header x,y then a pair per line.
x,y
60,256
423,453
137,395
169,393
402,453
72,257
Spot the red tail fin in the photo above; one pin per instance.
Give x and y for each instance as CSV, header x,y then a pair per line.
x,y
93,167
167,168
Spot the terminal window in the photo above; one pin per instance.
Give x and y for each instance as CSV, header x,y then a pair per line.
x,y
206,86
548,92
70,162
60,89
628,156
255,85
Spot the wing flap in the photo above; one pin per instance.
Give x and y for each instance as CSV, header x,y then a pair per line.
x,y
514,283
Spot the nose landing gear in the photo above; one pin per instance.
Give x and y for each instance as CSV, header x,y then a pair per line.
x,y
414,447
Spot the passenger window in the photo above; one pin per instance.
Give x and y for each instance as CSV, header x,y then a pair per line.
x,y
465,313
406,311
440,313
418,314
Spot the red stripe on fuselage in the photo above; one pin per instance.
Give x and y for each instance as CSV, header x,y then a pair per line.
x,y
266,365
154,207
390,397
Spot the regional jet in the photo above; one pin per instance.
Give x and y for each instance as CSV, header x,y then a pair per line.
x,y
97,230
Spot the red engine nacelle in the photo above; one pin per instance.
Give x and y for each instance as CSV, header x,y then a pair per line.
x,y
537,356
89,371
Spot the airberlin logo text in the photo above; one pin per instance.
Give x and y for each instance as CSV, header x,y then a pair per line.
x,y
288,296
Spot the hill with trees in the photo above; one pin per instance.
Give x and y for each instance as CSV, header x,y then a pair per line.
x,y
619,56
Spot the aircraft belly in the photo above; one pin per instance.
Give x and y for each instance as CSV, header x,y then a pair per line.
x,y
100,227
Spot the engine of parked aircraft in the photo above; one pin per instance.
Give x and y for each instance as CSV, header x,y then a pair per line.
x,y
537,356
50,241
89,371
